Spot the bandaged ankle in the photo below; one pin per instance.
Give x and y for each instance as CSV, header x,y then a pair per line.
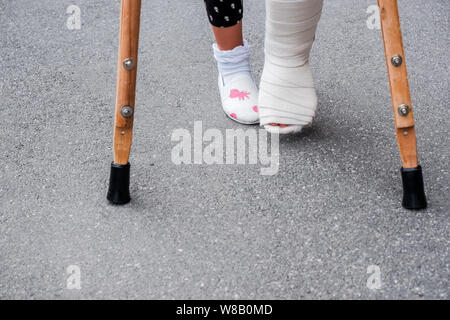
x,y
233,63
290,30
287,93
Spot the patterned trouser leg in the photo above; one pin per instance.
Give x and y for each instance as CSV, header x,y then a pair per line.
x,y
224,13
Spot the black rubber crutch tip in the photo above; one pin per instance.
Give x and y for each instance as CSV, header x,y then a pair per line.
x,y
119,184
413,190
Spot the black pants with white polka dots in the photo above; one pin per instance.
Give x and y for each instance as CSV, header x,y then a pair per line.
x,y
224,13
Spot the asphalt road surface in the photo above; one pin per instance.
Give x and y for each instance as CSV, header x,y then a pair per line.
x,y
329,224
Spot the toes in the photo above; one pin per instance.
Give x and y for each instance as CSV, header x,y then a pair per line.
x,y
279,125
287,129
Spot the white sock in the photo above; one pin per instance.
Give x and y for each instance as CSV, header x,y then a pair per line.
x,y
287,93
232,63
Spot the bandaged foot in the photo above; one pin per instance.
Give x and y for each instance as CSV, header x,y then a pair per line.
x,y
287,97
238,90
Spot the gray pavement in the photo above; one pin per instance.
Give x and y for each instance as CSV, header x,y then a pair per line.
x,y
216,231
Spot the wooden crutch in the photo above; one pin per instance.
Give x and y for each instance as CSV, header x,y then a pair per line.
x,y
411,171
118,192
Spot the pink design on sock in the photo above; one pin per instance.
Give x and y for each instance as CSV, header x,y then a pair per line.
x,y
255,108
233,115
242,95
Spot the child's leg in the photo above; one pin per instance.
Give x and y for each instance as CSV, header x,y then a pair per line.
x,y
237,88
288,98
228,38
225,17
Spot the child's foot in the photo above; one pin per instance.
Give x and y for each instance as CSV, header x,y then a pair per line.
x,y
238,90
239,99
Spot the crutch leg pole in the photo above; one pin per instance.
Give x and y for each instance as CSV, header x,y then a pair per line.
x,y
118,192
411,171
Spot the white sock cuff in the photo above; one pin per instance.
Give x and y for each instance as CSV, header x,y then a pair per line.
x,y
233,62
232,56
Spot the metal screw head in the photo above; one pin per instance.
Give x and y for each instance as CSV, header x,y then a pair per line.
x,y
128,64
397,60
126,111
404,110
